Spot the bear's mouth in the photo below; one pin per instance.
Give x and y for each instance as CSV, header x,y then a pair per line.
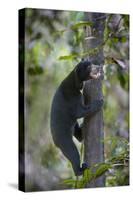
x,y
95,75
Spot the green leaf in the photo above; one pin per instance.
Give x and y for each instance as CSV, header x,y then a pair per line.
x,y
35,71
81,24
87,175
115,40
70,182
102,169
68,57
123,39
90,52
122,80
59,33
126,20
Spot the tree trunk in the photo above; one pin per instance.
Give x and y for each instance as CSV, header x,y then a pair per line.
x,y
93,127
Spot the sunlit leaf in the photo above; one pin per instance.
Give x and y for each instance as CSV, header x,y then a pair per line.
x,y
68,57
81,24
102,169
87,175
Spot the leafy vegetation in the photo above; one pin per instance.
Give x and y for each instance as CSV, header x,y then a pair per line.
x,y
116,166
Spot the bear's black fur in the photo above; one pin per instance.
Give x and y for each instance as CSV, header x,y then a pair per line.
x,y
67,107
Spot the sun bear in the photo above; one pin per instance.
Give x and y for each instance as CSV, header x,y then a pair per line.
x,y
68,106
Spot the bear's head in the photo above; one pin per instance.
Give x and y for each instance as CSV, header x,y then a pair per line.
x,y
86,71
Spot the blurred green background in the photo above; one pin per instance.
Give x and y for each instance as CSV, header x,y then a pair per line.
x,y
54,43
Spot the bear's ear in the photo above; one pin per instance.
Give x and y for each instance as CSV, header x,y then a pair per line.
x,y
78,83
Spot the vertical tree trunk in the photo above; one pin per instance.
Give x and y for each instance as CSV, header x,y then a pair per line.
x,y
93,127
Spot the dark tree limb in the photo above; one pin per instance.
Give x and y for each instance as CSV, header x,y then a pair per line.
x,y
93,127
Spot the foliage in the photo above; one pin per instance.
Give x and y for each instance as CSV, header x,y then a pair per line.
x,y
89,175
116,166
118,156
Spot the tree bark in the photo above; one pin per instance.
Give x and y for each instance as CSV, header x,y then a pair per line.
x,y
93,126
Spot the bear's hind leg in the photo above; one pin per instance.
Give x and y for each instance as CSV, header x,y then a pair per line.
x,y
70,151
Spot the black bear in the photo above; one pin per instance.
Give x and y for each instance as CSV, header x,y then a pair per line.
x,y
67,107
